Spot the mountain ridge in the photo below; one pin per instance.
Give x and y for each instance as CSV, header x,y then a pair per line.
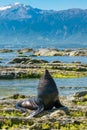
x,y
33,26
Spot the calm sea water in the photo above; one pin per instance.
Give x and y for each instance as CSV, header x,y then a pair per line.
x,y
6,57
65,59
67,86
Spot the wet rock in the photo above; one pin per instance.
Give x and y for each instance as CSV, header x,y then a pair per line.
x,y
55,52
78,53
76,62
24,50
56,61
19,60
38,61
21,55
26,60
80,98
7,75
48,52
5,51
80,94
11,118
67,50
16,96
57,113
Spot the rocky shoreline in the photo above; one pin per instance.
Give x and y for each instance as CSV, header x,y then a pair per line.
x,y
49,51
71,117
23,66
32,68
56,52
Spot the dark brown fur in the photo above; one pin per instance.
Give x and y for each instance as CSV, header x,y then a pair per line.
x,y
47,98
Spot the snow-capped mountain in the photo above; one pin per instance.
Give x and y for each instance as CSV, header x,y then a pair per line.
x,y
23,23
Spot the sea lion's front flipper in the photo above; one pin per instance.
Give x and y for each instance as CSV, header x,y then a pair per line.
x,y
36,112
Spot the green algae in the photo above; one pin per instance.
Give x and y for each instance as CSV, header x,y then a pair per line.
x,y
45,126
85,96
36,68
77,113
8,124
56,125
71,121
68,75
9,113
1,59
81,103
28,75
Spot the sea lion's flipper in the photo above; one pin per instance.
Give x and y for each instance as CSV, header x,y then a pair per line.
x,y
58,104
18,106
36,112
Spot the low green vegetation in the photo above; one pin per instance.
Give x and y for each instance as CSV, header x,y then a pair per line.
x,y
56,74
65,74
43,126
32,68
12,119
1,58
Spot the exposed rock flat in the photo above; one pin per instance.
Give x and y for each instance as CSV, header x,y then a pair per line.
x,y
49,52
66,52
72,116
24,50
5,51
26,60
33,68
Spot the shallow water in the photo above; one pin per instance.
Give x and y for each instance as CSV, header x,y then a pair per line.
x,y
65,59
67,86
6,57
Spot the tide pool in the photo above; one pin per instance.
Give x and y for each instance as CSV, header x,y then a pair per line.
x,y
66,86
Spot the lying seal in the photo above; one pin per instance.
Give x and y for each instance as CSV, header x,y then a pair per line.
x,y
46,99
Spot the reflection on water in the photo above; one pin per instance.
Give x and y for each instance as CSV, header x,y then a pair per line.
x,y
66,86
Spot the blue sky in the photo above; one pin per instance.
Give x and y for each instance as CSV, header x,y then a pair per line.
x,y
50,4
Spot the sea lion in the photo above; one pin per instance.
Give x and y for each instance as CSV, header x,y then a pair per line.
x,y
47,98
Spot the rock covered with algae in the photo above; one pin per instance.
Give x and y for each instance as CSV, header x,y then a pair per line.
x,y
71,117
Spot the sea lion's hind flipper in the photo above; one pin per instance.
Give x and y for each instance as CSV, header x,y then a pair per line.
x,y
36,112
19,107
58,104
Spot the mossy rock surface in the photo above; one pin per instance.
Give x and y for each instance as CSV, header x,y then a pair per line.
x,y
71,117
